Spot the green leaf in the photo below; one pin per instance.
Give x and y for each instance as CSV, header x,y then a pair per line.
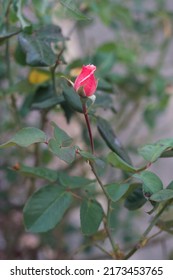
x,y
115,191
59,145
45,97
45,208
87,155
111,140
37,52
72,98
153,151
70,10
91,215
19,55
37,46
117,162
113,216
107,47
25,137
167,154
41,172
103,100
67,110
170,186
66,154
162,195
136,199
104,62
62,138
50,33
105,86
151,182
48,103
74,182
100,165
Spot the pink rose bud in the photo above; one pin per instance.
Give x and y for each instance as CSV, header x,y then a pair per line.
x,y
86,80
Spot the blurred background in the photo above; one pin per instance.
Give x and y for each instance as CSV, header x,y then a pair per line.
x,y
130,42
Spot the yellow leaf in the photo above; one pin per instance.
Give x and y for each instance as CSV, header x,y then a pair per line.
x,y
75,71
38,77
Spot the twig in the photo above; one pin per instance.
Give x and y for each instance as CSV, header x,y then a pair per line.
x,y
53,69
103,250
114,246
149,228
14,108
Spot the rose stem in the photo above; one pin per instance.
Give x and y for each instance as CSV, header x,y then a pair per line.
x,y
88,127
114,246
149,228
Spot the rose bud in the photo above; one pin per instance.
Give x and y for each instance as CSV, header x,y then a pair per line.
x,y
86,84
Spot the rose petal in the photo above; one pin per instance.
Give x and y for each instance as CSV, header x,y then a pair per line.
x,y
90,86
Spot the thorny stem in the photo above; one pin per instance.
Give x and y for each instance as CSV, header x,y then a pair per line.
x,y
88,127
52,71
114,246
149,228
98,179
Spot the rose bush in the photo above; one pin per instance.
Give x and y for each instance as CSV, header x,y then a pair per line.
x,y
51,170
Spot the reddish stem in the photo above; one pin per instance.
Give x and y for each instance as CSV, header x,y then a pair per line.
x,y
88,127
